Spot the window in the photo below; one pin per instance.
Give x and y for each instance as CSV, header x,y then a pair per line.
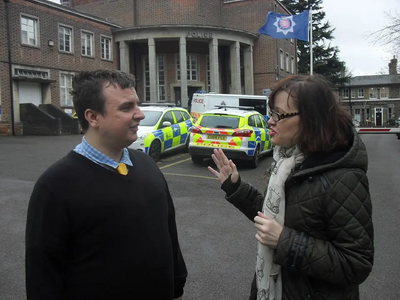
x,y
191,64
357,114
161,77
372,93
384,92
287,62
87,43
353,93
292,65
64,38
65,88
251,121
106,49
258,122
389,113
160,60
208,73
29,31
178,116
360,93
168,118
345,93
367,114
281,60
185,115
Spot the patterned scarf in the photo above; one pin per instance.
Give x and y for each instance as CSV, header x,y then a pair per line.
x,y
269,278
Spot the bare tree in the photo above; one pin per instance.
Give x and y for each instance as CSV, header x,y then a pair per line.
x,y
388,36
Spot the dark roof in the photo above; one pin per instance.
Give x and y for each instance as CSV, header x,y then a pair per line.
x,y
374,80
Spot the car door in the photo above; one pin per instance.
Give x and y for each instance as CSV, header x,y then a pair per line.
x,y
265,137
168,133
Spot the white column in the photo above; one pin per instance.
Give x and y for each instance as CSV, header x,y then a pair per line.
x,y
214,65
124,56
248,71
235,68
152,70
183,67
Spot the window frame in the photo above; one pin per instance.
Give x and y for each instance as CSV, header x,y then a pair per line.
x,y
91,34
109,38
36,30
287,62
189,69
360,93
71,45
281,59
67,92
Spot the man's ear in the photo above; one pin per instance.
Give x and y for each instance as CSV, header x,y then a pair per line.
x,y
92,117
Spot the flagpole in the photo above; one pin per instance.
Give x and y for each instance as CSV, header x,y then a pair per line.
x,y
311,42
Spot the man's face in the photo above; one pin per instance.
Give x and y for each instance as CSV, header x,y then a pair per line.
x,y
119,125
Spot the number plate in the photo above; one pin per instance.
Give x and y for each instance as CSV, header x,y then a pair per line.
x,y
216,137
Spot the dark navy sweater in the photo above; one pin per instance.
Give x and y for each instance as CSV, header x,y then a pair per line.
x,y
95,234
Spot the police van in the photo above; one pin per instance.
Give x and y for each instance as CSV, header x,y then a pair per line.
x,y
208,101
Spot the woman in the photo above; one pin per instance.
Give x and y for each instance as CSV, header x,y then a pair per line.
x,y
313,224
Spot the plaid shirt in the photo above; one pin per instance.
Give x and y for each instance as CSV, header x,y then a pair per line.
x,y
96,156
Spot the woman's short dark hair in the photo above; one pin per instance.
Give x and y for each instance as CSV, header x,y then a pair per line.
x,y
87,90
324,122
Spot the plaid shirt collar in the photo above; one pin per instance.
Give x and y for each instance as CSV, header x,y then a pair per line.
x,y
96,156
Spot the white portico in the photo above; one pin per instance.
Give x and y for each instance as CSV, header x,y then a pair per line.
x,y
214,59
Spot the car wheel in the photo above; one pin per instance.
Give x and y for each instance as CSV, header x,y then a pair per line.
x,y
256,158
155,150
197,159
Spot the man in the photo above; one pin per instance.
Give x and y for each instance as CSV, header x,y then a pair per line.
x,y
101,221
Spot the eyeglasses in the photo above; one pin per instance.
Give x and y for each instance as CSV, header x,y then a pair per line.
x,y
277,117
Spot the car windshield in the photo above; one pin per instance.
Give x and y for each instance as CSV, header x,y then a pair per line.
x,y
151,119
217,121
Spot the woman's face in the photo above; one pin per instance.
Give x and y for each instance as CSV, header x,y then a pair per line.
x,y
285,132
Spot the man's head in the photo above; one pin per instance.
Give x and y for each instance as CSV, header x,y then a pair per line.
x,y
107,106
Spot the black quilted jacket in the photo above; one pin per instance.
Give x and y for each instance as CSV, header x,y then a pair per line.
x,y
326,248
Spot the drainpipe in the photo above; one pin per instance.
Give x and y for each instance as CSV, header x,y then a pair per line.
x,y
10,65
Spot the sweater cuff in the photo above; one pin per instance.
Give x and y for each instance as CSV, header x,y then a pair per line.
x,y
229,187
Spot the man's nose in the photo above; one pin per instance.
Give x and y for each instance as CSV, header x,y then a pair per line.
x,y
139,115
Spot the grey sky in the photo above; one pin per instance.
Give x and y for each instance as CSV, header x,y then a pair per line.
x,y
354,20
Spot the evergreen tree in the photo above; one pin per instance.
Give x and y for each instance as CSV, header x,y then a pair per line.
x,y
325,57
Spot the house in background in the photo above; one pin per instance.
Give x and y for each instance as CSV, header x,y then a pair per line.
x,y
43,45
374,100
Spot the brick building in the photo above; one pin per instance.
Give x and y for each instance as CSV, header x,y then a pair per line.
x,y
42,46
374,100
215,43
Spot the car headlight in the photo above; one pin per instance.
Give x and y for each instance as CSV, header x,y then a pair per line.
x,y
142,136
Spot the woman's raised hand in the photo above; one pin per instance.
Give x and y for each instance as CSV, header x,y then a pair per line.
x,y
225,167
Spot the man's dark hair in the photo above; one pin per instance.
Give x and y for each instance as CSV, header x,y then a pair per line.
x,y
87,90
324,122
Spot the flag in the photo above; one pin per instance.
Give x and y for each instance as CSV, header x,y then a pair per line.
x,y
286,26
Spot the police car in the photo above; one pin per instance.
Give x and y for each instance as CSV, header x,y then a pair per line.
x,y
164,128
240,131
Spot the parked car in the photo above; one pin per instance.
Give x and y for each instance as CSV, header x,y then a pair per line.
x,y
164,128
240,131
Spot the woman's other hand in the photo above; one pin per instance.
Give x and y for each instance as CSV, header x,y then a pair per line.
x,y
268,230
225,167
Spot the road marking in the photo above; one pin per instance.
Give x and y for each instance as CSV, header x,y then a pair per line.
x,y
196,176
175,163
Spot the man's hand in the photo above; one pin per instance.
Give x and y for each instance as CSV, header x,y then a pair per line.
x,y
268,230
226,167
180,298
